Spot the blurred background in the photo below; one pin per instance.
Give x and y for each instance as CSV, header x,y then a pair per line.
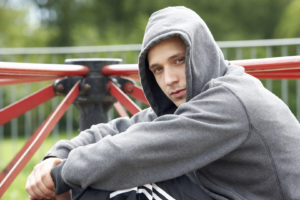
x,y
40,23
50,31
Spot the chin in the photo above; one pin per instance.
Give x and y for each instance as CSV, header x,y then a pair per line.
x,y
179,103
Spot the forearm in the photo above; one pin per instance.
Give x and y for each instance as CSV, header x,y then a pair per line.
x,y
170,146
99,131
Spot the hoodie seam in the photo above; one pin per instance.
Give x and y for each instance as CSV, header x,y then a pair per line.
x,y
274,166
262,138
245,110
248,136
157,38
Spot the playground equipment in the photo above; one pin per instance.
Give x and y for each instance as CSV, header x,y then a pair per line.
x,y
94,85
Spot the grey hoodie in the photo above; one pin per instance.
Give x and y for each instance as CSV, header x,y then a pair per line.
x,y
232,137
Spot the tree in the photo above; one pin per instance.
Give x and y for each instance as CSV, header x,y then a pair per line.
x,y
13,27
289,24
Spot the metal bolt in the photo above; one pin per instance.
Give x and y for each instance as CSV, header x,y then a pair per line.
x,y
60,88
86,87
129,87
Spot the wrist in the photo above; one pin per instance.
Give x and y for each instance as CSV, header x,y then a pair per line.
x,y
60,185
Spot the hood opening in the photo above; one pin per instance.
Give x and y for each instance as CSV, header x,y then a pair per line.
x,y
204,59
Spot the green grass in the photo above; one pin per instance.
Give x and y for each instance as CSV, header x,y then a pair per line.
x,y
8,149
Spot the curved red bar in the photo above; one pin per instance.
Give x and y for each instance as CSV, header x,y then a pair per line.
x,y
120,70
270,64
33,69
12,81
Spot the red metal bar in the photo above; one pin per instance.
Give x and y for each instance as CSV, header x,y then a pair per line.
x,y
251,65
120,110
43,69
136,92
122,98
120,70
32,76
279,63
276,75
12,81
36,140
18,108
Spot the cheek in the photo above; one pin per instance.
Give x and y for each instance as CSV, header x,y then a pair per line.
x,y
160,83
183,78
182,75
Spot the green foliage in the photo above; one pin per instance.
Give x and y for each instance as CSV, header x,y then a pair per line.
x,y
100,22
118,22
289,23
12,33
16,32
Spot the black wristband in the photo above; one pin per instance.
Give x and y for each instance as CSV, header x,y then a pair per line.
x,y
59,183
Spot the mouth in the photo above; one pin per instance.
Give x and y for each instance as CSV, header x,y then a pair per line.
x,y
178,93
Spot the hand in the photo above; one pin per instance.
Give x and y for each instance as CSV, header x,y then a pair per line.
x,y
39,183
63,196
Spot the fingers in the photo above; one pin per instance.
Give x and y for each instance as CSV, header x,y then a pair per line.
x,y
36,190
45,185
29,188
39,183
44,178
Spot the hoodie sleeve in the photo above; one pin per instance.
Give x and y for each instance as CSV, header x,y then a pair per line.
x,y
201,131
90,136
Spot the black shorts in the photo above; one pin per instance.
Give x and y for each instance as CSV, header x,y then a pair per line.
x,y
179,188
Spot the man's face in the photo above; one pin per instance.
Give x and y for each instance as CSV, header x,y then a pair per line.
x,y
167,63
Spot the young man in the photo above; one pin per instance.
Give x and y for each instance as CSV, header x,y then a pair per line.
x,y
212,131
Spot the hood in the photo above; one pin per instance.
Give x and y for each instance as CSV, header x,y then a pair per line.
x,y
204,59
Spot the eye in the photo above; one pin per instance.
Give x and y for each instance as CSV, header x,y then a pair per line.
x,y
157,70
180,60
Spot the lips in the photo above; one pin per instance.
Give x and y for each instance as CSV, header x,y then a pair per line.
x,y
178,93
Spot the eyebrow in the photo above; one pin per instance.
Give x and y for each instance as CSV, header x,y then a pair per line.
x,y
170,58
175,56
153,66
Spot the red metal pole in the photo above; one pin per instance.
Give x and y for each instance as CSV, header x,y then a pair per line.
x,y
31,69
279,63
38,137
136,92
120,110
32,76
122,98
276,75
18,108
12,81
120,70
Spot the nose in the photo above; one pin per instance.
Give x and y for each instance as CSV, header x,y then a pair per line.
x,y
170,76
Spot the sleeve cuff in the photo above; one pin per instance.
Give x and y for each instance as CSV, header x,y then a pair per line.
x,y
59,183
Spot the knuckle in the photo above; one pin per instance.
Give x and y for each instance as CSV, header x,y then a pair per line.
x,y
36,166
29,188
43,177
34,185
